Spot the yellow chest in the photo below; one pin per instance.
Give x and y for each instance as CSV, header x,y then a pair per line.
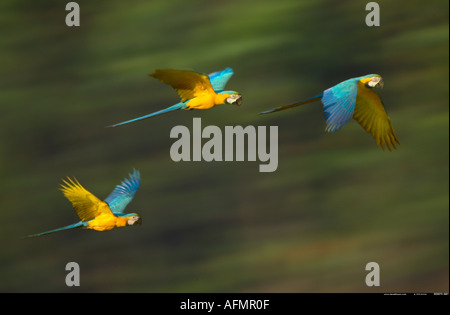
x,y
106,222
206,101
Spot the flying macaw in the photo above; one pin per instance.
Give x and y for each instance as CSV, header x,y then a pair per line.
x,y
196,90
355,98
101,215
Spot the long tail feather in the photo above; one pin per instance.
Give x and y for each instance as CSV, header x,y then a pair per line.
x,y
72,226
309,100
163,111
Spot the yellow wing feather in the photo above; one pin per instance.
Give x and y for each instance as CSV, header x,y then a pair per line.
x,y
85,204
188,84
371,115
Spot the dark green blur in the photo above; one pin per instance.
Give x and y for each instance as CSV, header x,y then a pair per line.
x,y
335,203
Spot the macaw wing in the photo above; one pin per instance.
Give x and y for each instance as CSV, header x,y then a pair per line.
x,y
188,84
339,104
371,115
122,195
85,204
220,79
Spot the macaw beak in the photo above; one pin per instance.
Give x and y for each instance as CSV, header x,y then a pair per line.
x,y
234,99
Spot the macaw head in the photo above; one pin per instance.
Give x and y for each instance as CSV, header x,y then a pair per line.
x,y
373,81
134,219
234,98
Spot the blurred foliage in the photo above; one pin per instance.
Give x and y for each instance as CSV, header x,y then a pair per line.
x,y
335,203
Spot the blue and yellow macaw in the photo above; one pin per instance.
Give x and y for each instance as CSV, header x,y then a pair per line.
x,y
101,215
355,98
197,91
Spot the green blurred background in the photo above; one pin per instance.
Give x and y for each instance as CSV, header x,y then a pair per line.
x,y
335,203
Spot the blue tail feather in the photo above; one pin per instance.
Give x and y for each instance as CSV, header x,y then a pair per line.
x,y
72,226
309,100
163,111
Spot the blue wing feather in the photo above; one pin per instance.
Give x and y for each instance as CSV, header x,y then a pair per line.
x,y
220,79
339,104
122,195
